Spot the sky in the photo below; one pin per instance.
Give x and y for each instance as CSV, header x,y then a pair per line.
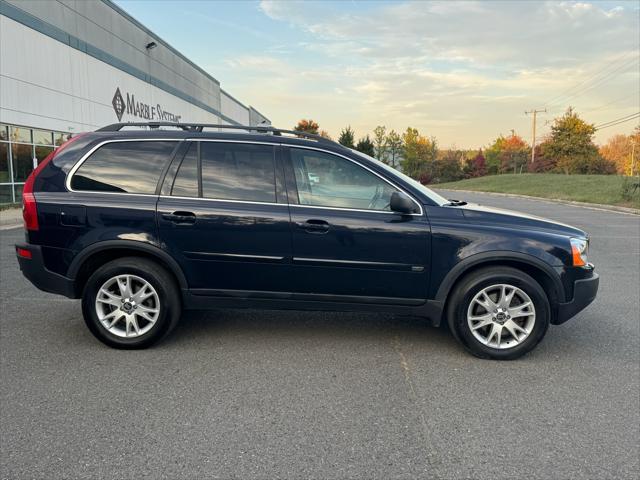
x,y
463,72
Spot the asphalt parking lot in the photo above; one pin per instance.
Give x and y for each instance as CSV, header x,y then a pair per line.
x,y
252,394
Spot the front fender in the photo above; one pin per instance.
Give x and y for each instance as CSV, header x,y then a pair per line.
x,y
493,257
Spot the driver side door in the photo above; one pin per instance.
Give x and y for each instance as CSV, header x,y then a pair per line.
x,y
347,244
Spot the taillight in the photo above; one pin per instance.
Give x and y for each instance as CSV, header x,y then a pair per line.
x,y
29,211
24,253
29,206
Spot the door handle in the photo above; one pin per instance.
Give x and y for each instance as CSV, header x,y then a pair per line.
x,y
180,217
314,226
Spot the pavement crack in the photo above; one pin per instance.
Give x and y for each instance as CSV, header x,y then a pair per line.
x,y
431,456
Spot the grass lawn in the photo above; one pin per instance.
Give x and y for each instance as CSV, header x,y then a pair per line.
x,y
605,189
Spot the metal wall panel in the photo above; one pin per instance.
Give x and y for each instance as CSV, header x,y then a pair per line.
x,y
99,29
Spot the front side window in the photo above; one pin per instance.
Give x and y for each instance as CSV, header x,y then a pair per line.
x,y
327,180
126,167
235,171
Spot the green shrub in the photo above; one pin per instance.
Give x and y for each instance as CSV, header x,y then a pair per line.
x,y
631,189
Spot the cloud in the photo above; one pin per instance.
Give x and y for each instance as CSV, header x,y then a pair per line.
x,y
445,67
518,33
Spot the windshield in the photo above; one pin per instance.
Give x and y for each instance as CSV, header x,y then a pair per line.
x,y
438,199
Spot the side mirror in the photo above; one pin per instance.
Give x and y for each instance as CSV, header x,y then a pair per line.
x,y
401,203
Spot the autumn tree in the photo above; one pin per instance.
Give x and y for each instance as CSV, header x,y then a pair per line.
x,y
380,142
419,155
347,137
394,147
365,145
308,126
325,134
619,150
448,166
493,155
571,146
477,166
544,163
514,154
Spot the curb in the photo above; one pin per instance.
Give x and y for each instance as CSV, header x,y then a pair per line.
x,y
592,206
10,227
10,218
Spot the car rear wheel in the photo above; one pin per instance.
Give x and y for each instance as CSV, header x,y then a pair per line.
x,y
131,303
499,312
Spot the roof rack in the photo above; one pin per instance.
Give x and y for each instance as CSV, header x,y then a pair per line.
x,y
199,127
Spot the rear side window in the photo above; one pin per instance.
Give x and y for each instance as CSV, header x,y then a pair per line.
x,y
126,167
235,171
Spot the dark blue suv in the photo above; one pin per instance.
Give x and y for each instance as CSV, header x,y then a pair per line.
x,y
141,223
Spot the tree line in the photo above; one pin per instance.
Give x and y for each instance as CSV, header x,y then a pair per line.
x,y
569,148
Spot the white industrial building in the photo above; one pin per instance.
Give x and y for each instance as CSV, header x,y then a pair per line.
x,y
68,66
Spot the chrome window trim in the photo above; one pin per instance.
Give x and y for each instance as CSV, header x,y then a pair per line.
x,y
222,200
346,209
366,168
79,163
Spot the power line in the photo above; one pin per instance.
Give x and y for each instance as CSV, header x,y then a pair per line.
x,y
614,102
606,67
618,121
589,78
598,82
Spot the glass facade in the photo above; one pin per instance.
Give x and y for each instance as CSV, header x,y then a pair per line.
x,y
21,150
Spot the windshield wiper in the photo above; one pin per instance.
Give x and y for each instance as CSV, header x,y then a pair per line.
x,y
455,203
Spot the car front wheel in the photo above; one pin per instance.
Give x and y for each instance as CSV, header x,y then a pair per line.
x,y
499,312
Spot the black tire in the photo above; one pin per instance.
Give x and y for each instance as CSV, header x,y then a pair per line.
x,y
471,285
160,280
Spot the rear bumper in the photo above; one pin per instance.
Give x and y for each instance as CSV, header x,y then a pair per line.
x,y
34,270
584,292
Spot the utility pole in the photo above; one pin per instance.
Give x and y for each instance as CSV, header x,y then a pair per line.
x,y
633,151
533,141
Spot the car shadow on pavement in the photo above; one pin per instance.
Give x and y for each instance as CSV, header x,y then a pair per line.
x,y
202,326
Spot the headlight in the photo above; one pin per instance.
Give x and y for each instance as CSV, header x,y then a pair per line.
x,y
579,248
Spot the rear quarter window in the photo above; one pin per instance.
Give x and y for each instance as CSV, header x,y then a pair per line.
x,y
125,167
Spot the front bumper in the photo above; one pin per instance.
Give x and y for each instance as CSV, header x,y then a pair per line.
x,y
34,270
584,292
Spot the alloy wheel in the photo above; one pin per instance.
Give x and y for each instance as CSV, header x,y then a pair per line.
x,y
127,306
501,316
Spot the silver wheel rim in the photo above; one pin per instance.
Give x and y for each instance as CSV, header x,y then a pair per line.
x,y
127,306
501,316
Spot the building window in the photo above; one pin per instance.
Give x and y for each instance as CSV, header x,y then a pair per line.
x,y
5,176
21,149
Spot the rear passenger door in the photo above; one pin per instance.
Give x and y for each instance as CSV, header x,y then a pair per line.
x,y
223,216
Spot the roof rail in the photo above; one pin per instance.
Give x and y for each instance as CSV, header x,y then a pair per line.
x,y
199,127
